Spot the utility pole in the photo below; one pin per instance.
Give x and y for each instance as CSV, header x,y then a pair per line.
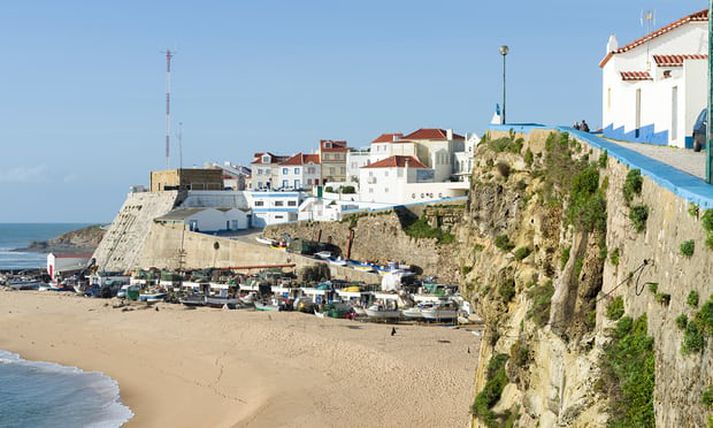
x,y
169,56
709,132
504,49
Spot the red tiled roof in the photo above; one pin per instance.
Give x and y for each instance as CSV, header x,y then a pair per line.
x,y
257,157
397,162
635,75
699,16
337,146
431,134
388,138
676,60
300,159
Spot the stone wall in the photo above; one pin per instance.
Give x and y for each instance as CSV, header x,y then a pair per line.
x,y
164,244
378,237
126,236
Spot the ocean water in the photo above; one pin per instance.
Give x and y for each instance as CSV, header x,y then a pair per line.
x,y
39,394
20,235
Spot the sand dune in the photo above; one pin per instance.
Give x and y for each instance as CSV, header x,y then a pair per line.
x,y
207,367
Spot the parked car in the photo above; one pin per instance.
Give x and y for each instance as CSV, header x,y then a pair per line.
x,y
699,131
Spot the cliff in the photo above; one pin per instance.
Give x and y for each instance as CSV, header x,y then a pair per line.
x,y
86,238
583,270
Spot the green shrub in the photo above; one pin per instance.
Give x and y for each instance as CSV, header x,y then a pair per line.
x,y
506,289
522,252
707,397
632,185
688,248
628,369
529,158
615,309
707,221
638,215
693,210
693,340
348,190
704,317
420,229
587,205
541,297
496,379
653,287
692,299
578,265
682,321
520,354
603,158
564,257
614,257
465,270
663,298
503,243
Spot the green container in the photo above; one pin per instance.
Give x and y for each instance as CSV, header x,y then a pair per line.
x,y
132,293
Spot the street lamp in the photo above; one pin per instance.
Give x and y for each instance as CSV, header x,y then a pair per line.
x,y
504,49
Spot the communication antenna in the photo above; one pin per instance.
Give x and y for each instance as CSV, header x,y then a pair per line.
x,y
169,55
648,24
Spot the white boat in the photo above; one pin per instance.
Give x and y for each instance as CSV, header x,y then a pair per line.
x,y
319,314
25,284
381,312
220,301
265,241
44,287
442,311
152,297
338,262
364,268
416,312
324,255
273,306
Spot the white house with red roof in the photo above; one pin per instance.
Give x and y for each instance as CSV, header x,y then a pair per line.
x,y
402,180
654,88
300,171
265,171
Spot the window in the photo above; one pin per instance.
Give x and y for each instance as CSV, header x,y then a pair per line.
x,y
259,203
327,145
400,172
297,184
608,99
285,183
279,217
331,170
386,190
311,170
309,181
297,171
266,159
674,113
342,170
291,203
279,203
285,171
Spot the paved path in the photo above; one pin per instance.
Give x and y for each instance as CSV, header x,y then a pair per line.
x,y
684,159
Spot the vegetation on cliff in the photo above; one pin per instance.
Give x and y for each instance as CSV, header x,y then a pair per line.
x,y
496,379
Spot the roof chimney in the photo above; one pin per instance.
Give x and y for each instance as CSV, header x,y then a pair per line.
x,y
612,44
449,134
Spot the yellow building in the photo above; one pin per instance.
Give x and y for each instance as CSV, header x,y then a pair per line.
x,y
187,179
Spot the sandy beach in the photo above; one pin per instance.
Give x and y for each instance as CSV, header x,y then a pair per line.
x,y
205,367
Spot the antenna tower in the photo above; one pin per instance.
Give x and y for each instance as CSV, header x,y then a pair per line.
x,y
169,56
648,23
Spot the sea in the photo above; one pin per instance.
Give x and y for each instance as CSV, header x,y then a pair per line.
x,y
21,235
42,394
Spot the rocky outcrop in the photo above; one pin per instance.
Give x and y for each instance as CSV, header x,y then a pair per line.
x,y
84,239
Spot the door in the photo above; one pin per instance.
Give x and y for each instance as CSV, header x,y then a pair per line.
x,y
637,132
674,113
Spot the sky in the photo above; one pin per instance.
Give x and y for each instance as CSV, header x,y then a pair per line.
x,y
82,83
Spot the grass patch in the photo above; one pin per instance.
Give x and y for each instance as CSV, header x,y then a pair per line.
x,y
506,289
688,248
638,215
707,397
707,223
692,299
522,252
529,157
663,298
541,297
632,185
496,379
615,309
587,208
578,266
520,354
420,229
603,158
693,339
653,287
682,321
693,210
564,257
614,257
502,242
628,372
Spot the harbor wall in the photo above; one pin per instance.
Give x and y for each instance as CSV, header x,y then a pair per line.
x,y
169,248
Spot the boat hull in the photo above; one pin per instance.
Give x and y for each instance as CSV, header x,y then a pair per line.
x,y
383,315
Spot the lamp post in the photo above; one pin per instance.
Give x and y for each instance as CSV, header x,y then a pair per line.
x,y
504,49
709,131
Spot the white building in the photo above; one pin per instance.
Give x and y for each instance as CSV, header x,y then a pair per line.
x,y
59,264
402,180
318,209
207,220
355,160
655,87
265,171
464,160
235,177
273,207
299,172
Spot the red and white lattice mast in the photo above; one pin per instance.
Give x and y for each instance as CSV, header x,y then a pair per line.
x,y
169,56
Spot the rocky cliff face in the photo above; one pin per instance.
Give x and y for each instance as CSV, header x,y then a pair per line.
x,y
84,239
578,267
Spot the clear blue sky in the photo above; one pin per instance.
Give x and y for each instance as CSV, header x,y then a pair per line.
x,y
81,110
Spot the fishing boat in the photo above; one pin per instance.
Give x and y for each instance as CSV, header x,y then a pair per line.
x,y
193,300
44,287
265,241
127,291
152,296
24,284
382,312
364,268
303,304
319,314
271,306
416,312
442,311
220,301
324,255
337,261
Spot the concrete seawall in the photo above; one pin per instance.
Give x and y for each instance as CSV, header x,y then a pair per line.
x,y
163,250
